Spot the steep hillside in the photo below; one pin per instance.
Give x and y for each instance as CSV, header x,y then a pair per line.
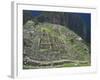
x,y
52,45
78,22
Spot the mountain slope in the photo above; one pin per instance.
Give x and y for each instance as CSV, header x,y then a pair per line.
x,y
47,44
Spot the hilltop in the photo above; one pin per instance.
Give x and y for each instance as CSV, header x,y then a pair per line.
x,y
53,45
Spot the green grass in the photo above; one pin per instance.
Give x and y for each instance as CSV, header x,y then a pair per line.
x,y
71,64
76,64
43,49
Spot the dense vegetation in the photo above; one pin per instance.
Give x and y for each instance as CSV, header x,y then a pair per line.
x,y
80,23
